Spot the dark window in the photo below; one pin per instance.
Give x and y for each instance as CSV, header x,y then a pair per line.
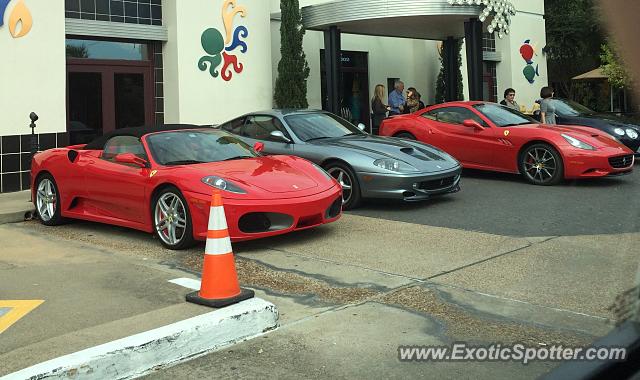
x,y
234,126
123,144
130,11
453,115
260,127
94,49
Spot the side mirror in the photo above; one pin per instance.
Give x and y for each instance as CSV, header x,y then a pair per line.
x,y
258,147
361,126
130,158
279,136
472,124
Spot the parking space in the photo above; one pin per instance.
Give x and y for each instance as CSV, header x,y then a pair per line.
x,y
462,267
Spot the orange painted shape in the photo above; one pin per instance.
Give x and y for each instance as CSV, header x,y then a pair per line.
x,y
20,15
217,234
219,277
227,17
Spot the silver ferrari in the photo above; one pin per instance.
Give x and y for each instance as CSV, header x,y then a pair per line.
x,y
366,166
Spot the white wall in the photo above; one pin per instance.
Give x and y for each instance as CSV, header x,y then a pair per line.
x,y
194,96
415,62
527,24
32,71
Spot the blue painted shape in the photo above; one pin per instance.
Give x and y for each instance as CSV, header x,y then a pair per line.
x,y
240,32
4,310
3,7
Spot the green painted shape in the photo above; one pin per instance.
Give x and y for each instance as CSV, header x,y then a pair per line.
x,y
212,41
213,61
529,72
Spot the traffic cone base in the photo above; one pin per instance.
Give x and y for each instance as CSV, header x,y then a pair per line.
x,y
245,294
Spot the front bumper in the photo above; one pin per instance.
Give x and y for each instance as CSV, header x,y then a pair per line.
x,y
590,164
409,187
255,219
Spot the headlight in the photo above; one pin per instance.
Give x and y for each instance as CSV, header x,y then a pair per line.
x,y
577,143
223,184
322,171
394,165
618,131
632,133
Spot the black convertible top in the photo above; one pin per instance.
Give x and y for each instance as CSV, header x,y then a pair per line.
x,y
98,143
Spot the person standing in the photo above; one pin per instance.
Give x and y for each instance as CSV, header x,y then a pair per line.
x,y
510,99
396,99
378,108
547,106
413,101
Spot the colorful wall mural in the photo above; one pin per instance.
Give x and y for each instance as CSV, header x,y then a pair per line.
x,y
219,48
20,21
528,51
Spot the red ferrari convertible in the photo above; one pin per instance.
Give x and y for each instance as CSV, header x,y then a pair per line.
x,y
489,136
160,180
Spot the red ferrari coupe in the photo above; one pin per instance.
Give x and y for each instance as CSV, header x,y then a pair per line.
x,y
160,180
489,136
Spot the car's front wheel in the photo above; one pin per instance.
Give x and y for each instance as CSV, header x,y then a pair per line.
x,y
541,164
350,186
48,201
172,220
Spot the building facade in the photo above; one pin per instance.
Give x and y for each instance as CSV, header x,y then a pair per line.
x,y
86,67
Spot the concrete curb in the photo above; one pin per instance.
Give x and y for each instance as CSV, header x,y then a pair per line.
x,y
15,216
139,354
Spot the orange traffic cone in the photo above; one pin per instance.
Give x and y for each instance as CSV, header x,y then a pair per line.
x,y
219,286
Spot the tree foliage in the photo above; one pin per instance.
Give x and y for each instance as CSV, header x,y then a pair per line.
x,y
613,67
574,36
293,69
441,82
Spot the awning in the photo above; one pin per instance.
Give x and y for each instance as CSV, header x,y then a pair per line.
x,y
593,74
419,19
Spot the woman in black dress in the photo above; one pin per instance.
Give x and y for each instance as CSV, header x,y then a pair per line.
x,y
378,108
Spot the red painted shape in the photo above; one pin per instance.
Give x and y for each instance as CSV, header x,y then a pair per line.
x,y
230,59
526,51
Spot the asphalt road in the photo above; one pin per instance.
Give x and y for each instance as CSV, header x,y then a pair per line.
x,y
506,204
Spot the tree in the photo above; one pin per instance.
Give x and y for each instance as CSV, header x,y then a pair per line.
x,y
293,69
441,82
574,36
613,68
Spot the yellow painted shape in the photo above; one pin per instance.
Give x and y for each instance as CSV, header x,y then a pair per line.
x,y
227,17
20,14
506,133
18,309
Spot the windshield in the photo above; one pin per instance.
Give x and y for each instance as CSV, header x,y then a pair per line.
x,y
315,126
566,107
503,116
196,146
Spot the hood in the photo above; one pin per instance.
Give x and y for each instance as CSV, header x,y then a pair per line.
x,y
265,174
421,156
591,136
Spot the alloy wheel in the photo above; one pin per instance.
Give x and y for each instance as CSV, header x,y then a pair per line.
x,y
170,218
46,200
540,165
344,180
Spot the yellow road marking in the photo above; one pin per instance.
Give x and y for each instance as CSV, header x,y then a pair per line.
x,y
17,310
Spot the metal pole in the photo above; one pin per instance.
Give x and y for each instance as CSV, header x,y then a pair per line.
x,y
34,139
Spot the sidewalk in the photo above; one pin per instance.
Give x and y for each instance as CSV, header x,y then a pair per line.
x,y
14,206
70,308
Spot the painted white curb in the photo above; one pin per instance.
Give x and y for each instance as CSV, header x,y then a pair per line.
x,y
138,354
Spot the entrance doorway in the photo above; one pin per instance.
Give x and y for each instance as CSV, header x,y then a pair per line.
x,y
354,87
107,94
